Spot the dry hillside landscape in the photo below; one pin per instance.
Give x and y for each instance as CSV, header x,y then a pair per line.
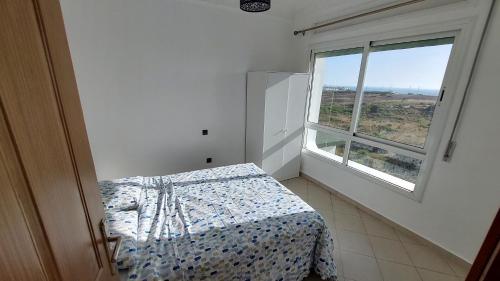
x,y
403,118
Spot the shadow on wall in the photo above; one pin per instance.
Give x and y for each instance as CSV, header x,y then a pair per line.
x,y
282,143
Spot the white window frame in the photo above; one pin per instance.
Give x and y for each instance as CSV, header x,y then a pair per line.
x,y
443,107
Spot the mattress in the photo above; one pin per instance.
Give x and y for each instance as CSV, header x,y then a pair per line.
x,y
227,223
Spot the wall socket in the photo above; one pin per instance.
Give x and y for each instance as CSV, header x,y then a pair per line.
x,y
204,132
209,160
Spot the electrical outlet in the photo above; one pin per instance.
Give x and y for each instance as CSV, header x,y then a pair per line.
x,y
209,160
204,132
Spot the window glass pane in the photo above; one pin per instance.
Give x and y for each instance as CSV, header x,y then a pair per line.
x,y
335,80
391,167
325,144
402,84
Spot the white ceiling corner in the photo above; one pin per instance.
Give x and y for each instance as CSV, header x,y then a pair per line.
x,y
303,13
290,9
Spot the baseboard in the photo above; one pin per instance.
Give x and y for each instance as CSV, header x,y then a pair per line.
x,y
397,226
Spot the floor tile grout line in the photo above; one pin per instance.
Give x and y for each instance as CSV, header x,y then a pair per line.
x,y
308,186
387,260
409,256
336,235
428,269
373,249
447,260
435,271
402,230
398,263
377,259
332,196
380,236
383,237
307,199
358,253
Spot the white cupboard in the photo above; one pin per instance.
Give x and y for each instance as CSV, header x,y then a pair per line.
x,y
276,103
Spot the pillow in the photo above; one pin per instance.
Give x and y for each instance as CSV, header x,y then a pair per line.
x,y
122,194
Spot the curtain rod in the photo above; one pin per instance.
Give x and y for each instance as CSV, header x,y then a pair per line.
x,y
387,8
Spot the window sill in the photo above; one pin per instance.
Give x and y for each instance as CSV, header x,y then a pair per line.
x,y
380,182
400,183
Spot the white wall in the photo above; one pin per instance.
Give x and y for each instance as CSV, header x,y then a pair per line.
x,y
153,73
462,196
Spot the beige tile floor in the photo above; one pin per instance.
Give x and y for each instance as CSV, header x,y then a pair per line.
x,y
368,249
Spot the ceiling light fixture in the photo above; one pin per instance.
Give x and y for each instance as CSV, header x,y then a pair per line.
x,y
255,6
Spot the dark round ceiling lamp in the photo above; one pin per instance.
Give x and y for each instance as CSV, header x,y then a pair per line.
x,y
255,6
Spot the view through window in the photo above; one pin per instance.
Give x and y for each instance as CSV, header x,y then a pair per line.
x,y
340,76
376,116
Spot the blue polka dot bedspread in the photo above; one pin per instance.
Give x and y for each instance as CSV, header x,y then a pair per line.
x,y
227,223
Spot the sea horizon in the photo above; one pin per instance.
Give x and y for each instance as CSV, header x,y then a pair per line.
x,y
403,91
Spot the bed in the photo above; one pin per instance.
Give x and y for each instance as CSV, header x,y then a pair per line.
x,y
227,223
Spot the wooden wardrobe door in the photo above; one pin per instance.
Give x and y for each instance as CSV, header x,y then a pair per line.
x,y
41,109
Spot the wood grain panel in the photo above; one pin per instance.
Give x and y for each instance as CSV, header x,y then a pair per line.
x,y
30,99
19,259
63,75
14,170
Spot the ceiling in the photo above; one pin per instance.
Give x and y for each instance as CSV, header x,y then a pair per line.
x,y
289,9
304,13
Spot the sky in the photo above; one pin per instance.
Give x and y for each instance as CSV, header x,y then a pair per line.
x,y
416,68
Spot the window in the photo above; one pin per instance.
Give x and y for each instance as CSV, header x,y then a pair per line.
x,y
337,76
372,108
326,144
